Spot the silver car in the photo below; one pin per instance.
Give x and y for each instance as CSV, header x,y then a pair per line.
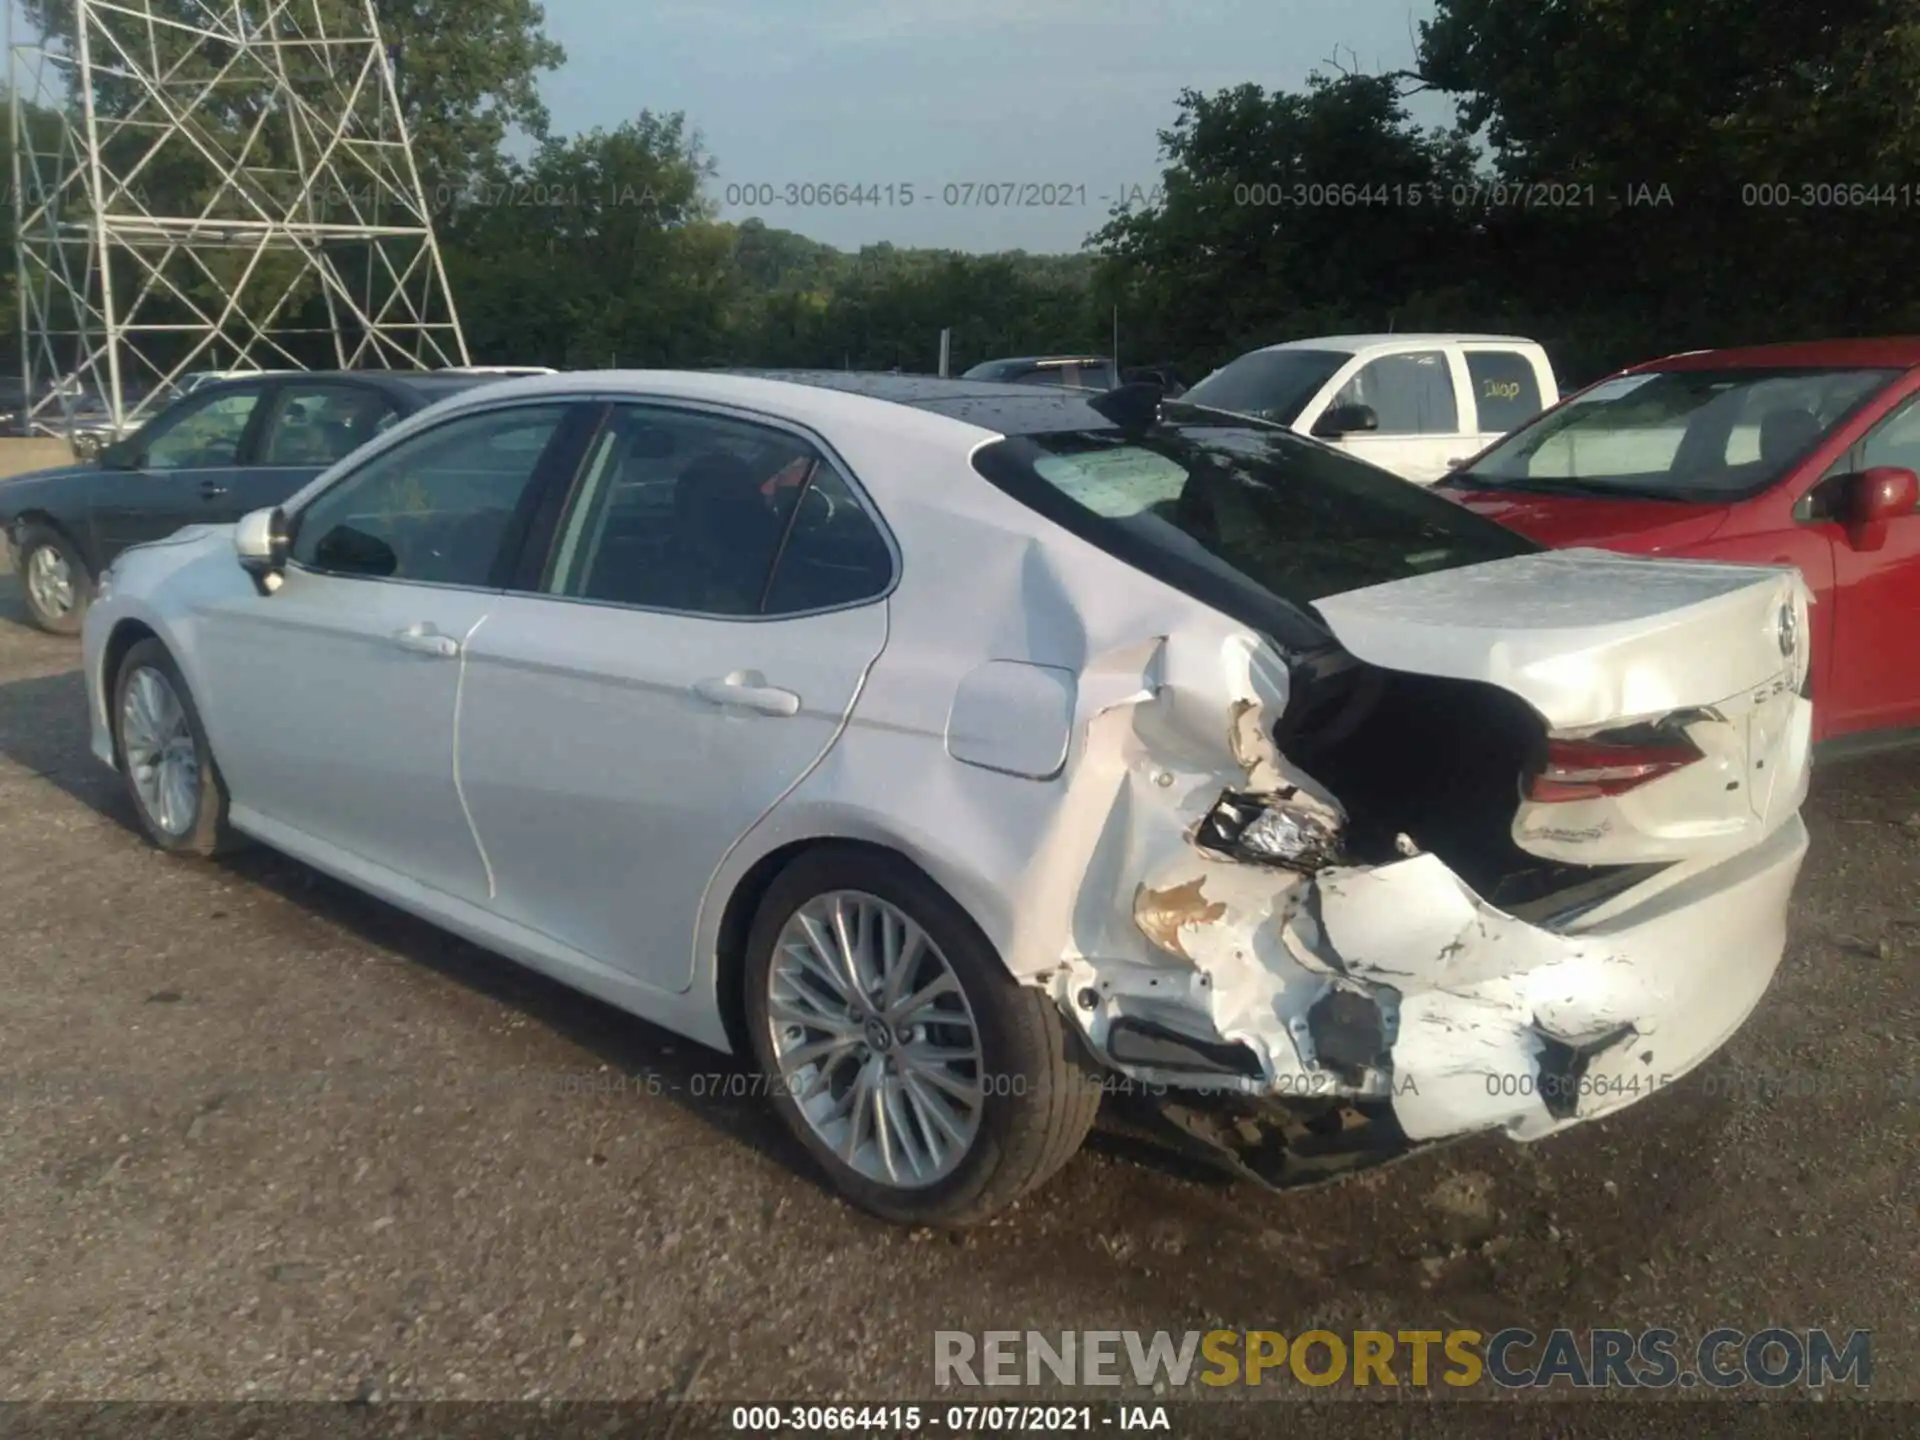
x,y
959,753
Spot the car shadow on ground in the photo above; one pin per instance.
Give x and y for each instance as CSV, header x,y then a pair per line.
x,y
43,729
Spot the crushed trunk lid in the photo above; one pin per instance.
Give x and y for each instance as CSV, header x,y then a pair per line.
x,y
1670,691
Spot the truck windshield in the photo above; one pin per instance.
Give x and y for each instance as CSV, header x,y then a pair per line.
x,y
1269,384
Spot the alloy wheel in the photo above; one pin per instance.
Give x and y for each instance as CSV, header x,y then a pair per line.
x,y
161,755
875,1040
50,582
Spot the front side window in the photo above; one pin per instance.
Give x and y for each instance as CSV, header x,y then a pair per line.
x,y
200,435
1411,394
1242,517
1269,384
438,508
315,425
1894,441
1703,435
688,511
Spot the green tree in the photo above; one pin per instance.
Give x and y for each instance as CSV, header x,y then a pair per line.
x,y
598,247
1287,214
1666,120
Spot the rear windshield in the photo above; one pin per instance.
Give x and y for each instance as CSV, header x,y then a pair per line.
x,y
1268,384
1705,435
1242,517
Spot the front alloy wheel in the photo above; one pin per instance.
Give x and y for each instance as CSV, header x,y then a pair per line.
x,y
55,580
176,788
163,761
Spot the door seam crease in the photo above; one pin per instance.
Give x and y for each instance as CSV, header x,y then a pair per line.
x,y
459,787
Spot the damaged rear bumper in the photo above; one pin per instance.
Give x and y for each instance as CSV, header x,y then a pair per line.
x,y
1366,1011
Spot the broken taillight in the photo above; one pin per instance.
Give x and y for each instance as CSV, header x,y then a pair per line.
x,y
1593,768
1273,829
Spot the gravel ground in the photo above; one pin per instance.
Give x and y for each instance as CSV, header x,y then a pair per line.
x,y
264,1138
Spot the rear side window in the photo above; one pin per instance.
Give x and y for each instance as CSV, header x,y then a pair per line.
x,y
704,514
834,554
315,425
1505,389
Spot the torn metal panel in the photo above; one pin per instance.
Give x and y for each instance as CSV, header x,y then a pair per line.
x,y
1396,983
1163,914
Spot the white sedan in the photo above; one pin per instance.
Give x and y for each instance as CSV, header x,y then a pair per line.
x,y
960,752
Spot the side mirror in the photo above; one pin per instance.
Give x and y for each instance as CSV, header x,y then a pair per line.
x,y
1345,420
260,543
118,456
1872,498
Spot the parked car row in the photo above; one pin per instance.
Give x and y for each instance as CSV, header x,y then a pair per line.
x,y
957,751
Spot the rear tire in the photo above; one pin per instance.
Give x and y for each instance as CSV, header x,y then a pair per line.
x,y
983,1088
56,580
172,779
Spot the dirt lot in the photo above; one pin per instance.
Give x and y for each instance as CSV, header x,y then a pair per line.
x,y
261,1138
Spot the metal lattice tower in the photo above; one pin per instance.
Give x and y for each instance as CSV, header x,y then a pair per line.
x,y
206,184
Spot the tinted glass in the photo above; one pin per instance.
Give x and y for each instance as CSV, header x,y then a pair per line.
x,y
1505,390
200,434
1234,514
1678,434
317,425
1270,384
1412,394
834,555
1894,441
680,511
437,508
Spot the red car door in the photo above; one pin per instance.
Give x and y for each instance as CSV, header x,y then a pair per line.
x,y
1873,678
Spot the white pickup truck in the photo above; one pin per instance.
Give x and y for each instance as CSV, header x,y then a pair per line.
x,y
1412,404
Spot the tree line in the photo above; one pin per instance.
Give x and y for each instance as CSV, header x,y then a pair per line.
x,y
1623,178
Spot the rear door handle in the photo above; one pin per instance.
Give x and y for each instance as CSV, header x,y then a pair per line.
x,y
211,489
423,639
748,690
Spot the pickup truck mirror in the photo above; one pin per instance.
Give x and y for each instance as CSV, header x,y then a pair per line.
x,y
1345,420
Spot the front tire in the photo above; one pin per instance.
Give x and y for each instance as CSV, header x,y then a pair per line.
x,y
930,1087
176,788
57,582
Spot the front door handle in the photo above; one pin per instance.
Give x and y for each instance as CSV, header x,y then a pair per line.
x,y
748,689
211,489
423,639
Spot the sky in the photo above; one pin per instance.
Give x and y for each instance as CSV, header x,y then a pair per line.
x,y
1015,124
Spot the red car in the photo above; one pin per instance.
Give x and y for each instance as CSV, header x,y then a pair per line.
x,y
1782,454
